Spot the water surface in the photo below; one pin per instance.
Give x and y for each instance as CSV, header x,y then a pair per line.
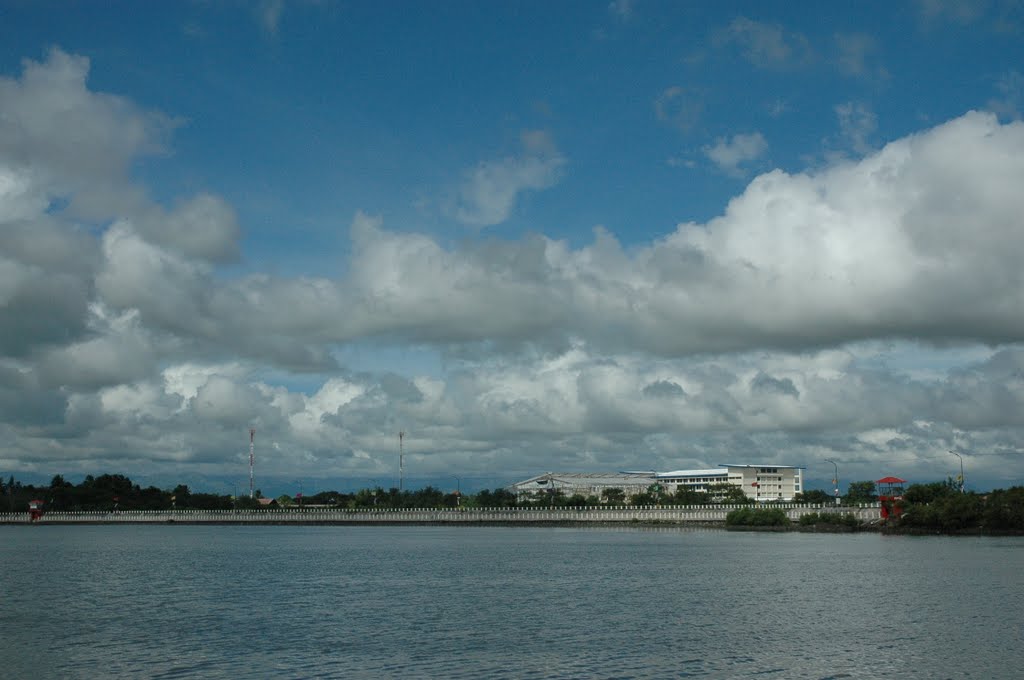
x,y
504,602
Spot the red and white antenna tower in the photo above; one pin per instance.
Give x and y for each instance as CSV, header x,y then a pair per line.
x,y
252,458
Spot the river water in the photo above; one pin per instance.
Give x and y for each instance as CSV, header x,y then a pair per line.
x,y
504,602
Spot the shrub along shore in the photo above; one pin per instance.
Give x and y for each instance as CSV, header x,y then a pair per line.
x,y
937,508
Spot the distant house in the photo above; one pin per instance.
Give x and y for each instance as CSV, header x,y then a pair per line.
x,y
267,502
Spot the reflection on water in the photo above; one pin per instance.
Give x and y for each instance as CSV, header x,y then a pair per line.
x,y
514,602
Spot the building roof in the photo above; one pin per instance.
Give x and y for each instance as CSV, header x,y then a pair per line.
x,y
715,472
891,480
763,465
584,479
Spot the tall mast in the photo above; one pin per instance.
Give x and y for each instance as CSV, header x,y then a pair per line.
x,y
252,458
401,462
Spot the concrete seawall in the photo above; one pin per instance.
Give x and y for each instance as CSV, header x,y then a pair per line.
x,y
694,514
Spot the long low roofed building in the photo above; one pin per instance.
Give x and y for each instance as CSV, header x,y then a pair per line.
x,y
584,483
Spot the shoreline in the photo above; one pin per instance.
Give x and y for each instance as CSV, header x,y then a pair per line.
x,y
876,528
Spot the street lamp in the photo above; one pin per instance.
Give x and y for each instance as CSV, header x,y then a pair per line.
x,y
458,490
961,470
300,493
835,479
401,461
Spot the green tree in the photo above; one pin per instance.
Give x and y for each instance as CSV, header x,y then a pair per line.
x,y
209,501
367,498
861,492
327,498
728,494
814,496
246,503
13,488
950,513
498,498
152,498
61,494
927,493
685,495
180,496
613,496
1004,510
552,497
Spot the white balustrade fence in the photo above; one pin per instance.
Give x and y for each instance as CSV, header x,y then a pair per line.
x,y
668,514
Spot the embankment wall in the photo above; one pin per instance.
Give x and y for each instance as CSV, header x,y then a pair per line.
x,y
583,515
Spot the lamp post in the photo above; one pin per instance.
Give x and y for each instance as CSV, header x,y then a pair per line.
x,y
835,479
401,461
300,493
961,470
458,490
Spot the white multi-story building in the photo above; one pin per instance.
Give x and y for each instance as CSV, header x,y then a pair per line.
x,y
761,482
767,482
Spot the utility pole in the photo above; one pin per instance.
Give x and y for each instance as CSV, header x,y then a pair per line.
x,y
252,459
401,462
835,479
961,470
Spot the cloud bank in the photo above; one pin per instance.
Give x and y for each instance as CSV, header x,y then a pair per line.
x,y
761,334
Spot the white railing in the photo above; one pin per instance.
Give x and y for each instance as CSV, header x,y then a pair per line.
x,y
689,513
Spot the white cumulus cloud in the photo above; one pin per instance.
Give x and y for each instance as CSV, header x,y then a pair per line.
x,y
489,191
730,154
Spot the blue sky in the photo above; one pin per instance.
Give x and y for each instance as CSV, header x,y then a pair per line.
x,y
495,225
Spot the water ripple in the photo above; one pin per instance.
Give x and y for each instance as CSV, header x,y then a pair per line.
x,y
469,602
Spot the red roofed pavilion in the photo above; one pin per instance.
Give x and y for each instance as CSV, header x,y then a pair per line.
x,y
890,492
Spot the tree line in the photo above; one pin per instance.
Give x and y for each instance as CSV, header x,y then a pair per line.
x,y
112,492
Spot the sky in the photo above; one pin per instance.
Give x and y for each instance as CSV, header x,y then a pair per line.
x,y
532,236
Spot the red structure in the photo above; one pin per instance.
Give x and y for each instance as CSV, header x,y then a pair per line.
x,y
35,510
890,493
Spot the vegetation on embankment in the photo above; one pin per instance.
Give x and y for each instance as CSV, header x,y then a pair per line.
x,y
757,517
831,522
760,519
941,508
